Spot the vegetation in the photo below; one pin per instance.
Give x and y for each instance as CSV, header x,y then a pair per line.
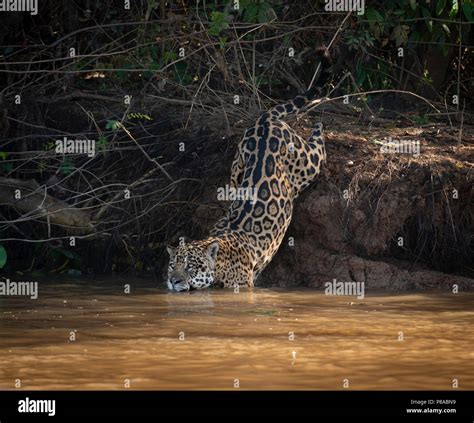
x,y
166,87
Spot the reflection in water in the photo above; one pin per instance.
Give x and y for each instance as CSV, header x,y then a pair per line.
x,y
267,339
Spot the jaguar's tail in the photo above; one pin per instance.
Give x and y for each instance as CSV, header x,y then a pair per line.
x,y
300,101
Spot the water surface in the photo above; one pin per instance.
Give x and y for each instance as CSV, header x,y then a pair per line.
x,y
260,339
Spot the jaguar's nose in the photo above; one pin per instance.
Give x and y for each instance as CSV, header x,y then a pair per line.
x,y
175,281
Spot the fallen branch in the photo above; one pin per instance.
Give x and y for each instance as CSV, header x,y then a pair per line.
x,y
36,203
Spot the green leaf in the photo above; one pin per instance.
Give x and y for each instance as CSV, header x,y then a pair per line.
x,y
468,11
413,4
454,9
169,56
217,16
263,12
50,145
219,23
415,36
101,143
222,41
42,165
112,124
67,167
373,15
426,14
400,34
3,256
3,155
440,5
250,13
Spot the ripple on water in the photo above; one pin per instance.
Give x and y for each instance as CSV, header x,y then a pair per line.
x,y
267,339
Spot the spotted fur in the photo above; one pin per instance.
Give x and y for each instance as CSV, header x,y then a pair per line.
x,y
275,161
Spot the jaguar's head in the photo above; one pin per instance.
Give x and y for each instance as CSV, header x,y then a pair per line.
x,y
192,265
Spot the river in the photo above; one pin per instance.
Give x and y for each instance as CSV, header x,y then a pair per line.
x,y
84,334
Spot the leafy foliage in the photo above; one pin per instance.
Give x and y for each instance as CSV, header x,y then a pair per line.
x,y
408,25
3,256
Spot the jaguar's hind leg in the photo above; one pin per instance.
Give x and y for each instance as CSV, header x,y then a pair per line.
x,y
311,158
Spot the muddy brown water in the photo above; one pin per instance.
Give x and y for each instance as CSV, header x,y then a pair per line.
x,y
260,339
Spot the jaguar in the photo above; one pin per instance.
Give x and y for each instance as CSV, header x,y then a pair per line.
x,y
278,164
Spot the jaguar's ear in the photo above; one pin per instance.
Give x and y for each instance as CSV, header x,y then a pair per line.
x,y
171,251
212,250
